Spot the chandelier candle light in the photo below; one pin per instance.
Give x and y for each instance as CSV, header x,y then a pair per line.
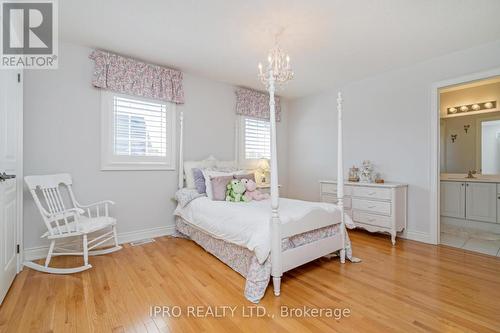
x,y
279,65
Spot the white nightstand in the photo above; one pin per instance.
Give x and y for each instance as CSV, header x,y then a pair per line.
x,y
266,188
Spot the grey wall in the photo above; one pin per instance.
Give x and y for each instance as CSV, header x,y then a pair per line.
x,y
386,120
62,134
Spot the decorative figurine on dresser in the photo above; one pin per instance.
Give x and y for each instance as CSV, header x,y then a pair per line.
x,y
376,207
366,172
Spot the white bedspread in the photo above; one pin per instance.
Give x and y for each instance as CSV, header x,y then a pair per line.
x,y
248,224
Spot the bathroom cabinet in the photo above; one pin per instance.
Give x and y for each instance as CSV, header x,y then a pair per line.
x,y
481,202
453,199
474,201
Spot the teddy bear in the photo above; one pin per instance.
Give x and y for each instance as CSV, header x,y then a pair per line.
x,y
251,191
235,190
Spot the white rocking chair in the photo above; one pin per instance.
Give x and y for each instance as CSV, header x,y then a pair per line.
x,y
77,221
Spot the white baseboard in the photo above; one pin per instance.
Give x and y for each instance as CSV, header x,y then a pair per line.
x,y
132,236
418,236
39,252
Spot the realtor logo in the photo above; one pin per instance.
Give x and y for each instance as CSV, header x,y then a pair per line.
x,y
29,34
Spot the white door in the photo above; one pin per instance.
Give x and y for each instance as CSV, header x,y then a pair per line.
x,y
10,166
481,202
453,199
498,203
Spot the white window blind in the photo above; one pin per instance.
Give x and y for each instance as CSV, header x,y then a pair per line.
x,y
140,127
137,133
257,138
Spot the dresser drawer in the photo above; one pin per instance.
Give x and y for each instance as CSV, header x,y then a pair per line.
x,y
332,189
333,199
372,193
372,219
378,207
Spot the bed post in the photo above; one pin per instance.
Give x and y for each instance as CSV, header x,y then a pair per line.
x,y
277,267
340,176
181,150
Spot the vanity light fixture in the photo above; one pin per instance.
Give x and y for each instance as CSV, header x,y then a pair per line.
x,y
472,107
466,128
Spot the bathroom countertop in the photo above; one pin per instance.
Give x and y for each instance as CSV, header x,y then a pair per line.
x,y
461,177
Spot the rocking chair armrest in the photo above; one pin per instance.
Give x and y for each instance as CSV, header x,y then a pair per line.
x,y
109,202
61,215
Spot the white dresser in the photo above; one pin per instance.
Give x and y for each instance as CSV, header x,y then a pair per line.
x,y
374,207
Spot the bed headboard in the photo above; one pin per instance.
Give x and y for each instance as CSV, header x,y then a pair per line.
x,y
209,162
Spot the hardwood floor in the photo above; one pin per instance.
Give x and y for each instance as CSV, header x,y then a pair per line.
x,y
411,287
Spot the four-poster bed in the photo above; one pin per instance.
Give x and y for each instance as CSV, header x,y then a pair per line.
x,y
298,233
257,242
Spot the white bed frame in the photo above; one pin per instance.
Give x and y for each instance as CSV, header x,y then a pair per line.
x,y
283,261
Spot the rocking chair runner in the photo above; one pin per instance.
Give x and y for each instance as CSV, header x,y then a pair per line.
x,y
75,222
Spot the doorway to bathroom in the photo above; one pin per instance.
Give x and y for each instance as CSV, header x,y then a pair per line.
x,y
469,165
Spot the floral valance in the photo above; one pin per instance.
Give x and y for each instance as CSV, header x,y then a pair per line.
x,y
254,103
132,77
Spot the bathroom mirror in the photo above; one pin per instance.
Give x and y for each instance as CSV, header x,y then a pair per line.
x,y
470,128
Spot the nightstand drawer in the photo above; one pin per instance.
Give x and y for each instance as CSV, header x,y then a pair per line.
x,y
377,207
333,199
267,189
372,219
329,188
372,193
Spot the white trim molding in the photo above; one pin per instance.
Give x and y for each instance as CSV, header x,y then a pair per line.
x,y
435,144
418,236
40,252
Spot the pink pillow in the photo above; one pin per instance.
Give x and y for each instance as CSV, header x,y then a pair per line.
x,y
219,185
247,176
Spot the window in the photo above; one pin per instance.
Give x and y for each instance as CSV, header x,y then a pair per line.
x,y
137,133
255,139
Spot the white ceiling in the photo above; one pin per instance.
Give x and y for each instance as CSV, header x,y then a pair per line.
x,y
330,42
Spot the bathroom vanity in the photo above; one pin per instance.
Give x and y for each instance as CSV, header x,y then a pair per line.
x,y
472,200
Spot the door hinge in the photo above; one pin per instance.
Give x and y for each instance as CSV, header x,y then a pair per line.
x,y
17,248
18,77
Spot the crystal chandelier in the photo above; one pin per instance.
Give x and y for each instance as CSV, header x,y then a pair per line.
x,y
278,66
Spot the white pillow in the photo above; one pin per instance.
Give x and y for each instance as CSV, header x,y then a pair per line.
x,y
227,166
208,183
190,165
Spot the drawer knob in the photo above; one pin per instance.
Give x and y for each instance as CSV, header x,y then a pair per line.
x,y
373,206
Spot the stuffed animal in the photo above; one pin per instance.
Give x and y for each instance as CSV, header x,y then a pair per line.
x,y
235,190
251,191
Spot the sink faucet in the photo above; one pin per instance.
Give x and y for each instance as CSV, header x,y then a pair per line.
x,y
471,173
